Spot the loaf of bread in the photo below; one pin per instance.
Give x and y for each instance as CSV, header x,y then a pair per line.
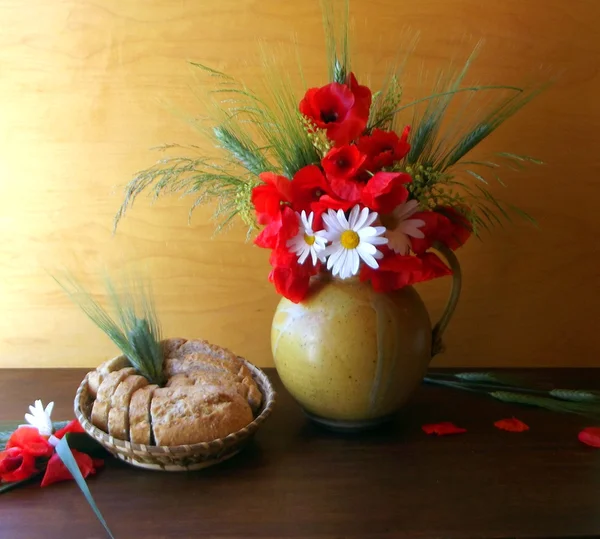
x,y
209,394
193,414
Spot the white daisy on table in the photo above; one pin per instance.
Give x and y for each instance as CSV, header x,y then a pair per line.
x,y
307,242
400,227
40,418
352,240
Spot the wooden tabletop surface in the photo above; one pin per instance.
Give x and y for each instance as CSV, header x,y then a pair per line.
x,y
298,481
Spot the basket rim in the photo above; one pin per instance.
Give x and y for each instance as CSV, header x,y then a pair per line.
x,y
269,398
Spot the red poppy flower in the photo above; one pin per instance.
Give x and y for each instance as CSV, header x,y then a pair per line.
x,y
385,190
443,224
56,471
16,465
343,162
511,425
383,148
590,436
308,186
73,426
443,429
279,231
396,271
268,197
343,110
30,441
291,279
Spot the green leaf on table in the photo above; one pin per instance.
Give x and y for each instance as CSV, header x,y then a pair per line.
x,y
64,452
486,378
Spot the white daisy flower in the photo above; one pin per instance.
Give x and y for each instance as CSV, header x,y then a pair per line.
x,y
307,242
40,418
401,228
352,240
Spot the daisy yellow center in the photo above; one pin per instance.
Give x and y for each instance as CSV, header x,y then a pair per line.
x,y
310,240
349,239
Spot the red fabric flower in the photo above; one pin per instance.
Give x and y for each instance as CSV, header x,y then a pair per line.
x,y
291,279
30,441
343,110
383,148
511,425
56,471
73,426
268,197
590,436
16,465
396,271
443,429
443,225
308,186
276,234
385,190
342,162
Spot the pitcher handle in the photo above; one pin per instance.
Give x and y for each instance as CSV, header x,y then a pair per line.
x,y
438,330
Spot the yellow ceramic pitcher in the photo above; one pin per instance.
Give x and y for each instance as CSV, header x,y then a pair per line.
x,y
351,356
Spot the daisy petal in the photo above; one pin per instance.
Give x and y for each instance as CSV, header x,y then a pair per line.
x,y
364,215
354,214
365,247
378,240
369,260
355,260
334,252
371,218
341,219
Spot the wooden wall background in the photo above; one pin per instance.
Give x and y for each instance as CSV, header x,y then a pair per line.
x,y
83,86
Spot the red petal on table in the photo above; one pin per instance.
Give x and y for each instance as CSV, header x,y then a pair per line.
x,y
511,425
590,436
56,471
443,429
73,426
30,441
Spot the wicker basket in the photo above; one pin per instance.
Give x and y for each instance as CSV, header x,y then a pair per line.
x,y
180,457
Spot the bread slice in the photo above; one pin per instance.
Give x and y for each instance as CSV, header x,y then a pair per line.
x,y
114,364
102,403
140,431
118,415
193,414
170,346
95,377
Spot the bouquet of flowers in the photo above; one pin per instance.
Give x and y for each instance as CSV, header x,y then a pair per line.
x,y
337,181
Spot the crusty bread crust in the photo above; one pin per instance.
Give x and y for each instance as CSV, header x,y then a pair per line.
x,y
140,430
204,347
170,346
94,381
118,416
102,403
193,414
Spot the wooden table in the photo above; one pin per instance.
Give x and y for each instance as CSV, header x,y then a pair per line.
x,y
298,481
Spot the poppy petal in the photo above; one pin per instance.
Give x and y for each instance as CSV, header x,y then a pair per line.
x,y
443,429
511,425
590,436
